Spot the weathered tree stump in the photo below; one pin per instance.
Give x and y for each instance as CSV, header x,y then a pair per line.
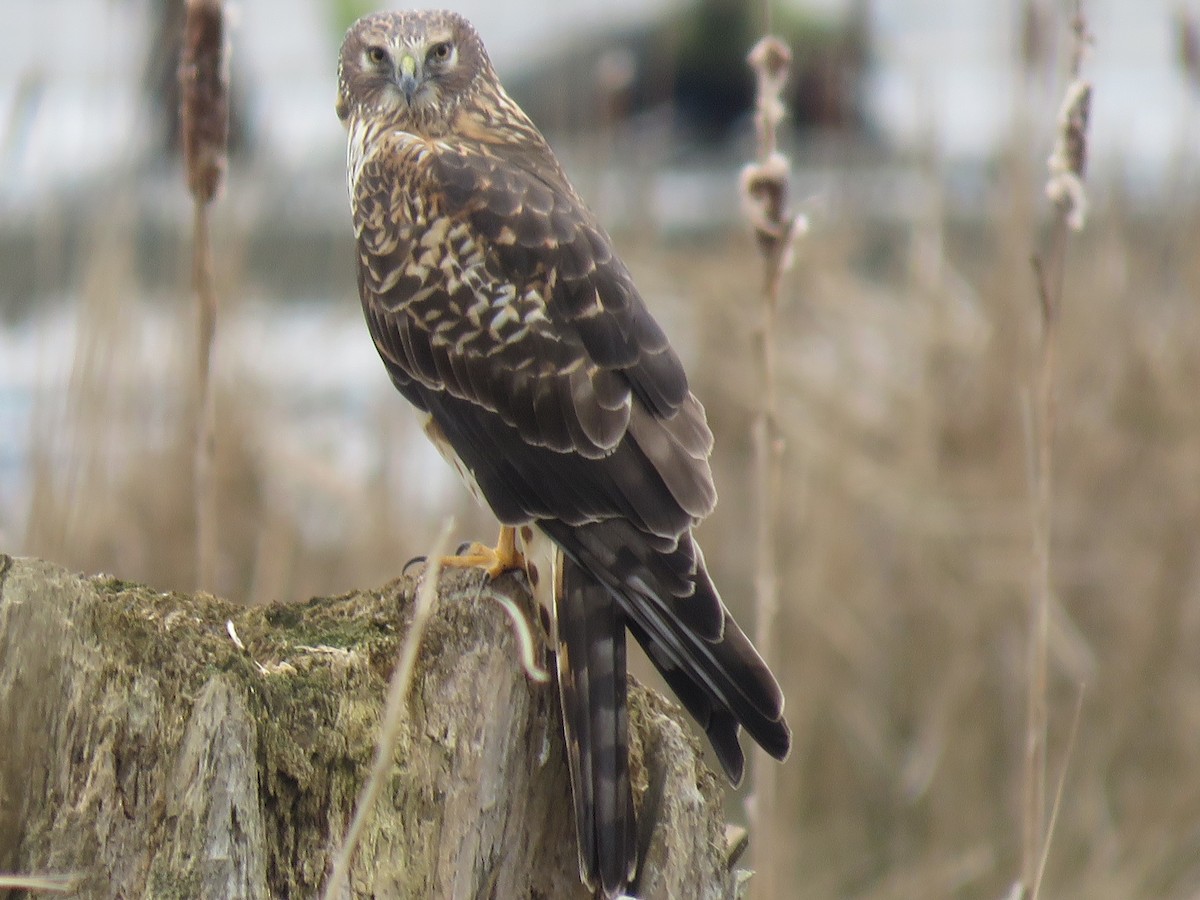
x,y
145,752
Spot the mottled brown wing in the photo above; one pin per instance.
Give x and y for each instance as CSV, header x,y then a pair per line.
x,y
518,202
571,411
490,289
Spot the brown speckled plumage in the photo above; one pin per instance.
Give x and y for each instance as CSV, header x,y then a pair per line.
x,y
502,313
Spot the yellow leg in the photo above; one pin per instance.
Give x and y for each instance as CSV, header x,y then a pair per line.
x,y
493,560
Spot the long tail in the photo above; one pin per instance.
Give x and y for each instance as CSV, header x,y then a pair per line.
x,y
610,576
671,606
592,687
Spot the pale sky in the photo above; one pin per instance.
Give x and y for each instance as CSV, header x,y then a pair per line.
x,y
944,72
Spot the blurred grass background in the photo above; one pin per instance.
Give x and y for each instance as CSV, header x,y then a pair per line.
x,y
907,344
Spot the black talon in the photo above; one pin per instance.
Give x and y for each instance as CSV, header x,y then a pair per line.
x,y
412,562
463,548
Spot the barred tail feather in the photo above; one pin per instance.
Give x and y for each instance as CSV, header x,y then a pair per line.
x,y
715,671
592,688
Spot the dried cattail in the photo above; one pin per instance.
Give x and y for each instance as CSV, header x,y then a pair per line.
x,y
204,103
771,60
764,183
1068,161
1064,187
764,193
204,112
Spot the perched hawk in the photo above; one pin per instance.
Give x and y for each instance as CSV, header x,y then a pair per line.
x,y
503,314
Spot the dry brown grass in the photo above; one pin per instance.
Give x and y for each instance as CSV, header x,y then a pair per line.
x,y
905,557
908,560
905,552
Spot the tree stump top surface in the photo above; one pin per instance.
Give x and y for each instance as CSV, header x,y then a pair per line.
x,y
155,757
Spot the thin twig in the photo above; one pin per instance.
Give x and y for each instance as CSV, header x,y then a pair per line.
x,y
1064,187
1058,795
393,714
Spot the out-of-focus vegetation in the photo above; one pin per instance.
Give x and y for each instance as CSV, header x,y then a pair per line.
x,y
906,357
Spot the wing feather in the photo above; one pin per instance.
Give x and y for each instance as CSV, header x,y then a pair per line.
x,y
557,343
593,298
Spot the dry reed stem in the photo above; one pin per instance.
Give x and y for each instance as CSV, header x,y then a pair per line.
x,y
204,111
1064,187
204,479
1058,794
764,191
393,714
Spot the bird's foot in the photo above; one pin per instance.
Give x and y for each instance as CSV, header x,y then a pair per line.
x,y
493,560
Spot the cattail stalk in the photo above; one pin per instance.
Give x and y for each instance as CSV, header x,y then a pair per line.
x,y
764,192
1064,188
204,109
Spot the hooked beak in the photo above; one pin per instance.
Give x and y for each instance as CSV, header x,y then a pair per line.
x,y
407,77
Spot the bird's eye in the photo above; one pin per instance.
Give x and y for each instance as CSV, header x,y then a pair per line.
x,y
376,55
440,51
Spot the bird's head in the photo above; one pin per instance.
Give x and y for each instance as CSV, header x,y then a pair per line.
x,y
412,69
